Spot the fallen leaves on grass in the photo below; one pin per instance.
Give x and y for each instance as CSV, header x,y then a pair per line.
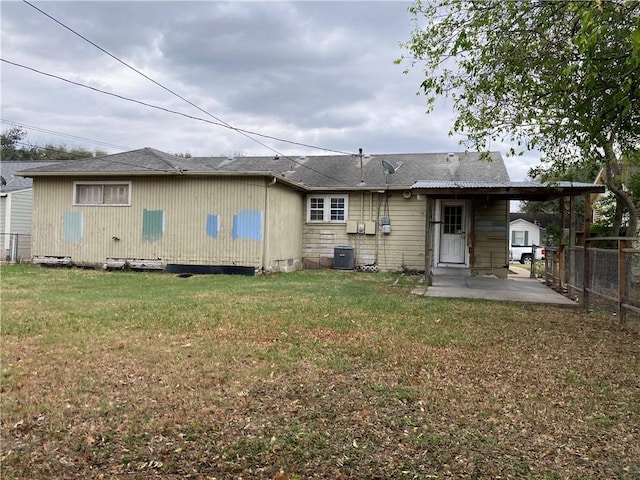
x,y
474,390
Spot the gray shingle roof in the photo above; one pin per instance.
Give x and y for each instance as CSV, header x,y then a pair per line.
x,y
145,160
14,182
315,172
409,168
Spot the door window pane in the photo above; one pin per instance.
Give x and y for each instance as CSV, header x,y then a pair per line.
x,y
452,222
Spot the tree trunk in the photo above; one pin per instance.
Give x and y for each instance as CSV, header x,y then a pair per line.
x,y
613,182
616,229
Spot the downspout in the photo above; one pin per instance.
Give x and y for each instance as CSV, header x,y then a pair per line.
x,y
428,278
7,220
378,232
265,223
360,235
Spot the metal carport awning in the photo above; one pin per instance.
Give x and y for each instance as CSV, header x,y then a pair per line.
x,y
507,191
504,190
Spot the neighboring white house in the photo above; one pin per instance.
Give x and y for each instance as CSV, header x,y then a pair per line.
x,y
523,233
16,198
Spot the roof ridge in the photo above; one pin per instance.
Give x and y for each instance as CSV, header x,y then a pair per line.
x,y
161,155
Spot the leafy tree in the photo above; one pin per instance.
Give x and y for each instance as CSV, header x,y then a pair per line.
x,y
550,210
16,148
10,146
557,76
62,152
611,219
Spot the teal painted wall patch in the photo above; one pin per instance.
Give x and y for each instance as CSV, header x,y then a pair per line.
x,y
152,225
72,226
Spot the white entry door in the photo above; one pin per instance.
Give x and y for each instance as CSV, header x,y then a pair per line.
x,y
453,237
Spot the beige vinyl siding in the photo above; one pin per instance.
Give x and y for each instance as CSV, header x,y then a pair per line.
x,y
284,229
402,248
51,198
178,219
490,230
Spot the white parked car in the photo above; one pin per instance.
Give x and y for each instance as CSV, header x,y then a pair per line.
x,y
524,254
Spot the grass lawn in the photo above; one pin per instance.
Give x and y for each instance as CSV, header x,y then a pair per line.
x,y
320,374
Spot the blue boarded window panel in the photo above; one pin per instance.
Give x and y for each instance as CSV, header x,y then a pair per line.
x,y
152,225
72,226
247,224
213,226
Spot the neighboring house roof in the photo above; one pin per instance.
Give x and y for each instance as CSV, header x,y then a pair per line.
x,y
335,172
540,219
522,221
12,182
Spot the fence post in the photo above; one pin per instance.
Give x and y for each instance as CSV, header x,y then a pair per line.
x,y
570,259
561,265
623,278
586,274
13,248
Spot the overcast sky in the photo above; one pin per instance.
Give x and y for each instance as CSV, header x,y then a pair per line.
x,y
317,73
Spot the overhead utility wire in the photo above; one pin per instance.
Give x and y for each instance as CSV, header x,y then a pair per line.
x,y
168,110
61,134
241,131
83,157
78,156
192,117
244,132
140,102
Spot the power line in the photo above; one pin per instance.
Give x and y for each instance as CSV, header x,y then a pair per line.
x,y
76,156
79,157
244,132
66,135
168,110
192,117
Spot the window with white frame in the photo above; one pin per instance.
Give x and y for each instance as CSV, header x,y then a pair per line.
x,y
520,238
327,208
102,193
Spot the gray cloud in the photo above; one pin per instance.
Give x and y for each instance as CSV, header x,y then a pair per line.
x,y
319,73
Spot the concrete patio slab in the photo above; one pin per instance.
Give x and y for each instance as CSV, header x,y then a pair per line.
x,y
518,287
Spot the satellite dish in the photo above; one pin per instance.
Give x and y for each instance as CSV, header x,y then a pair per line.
x,y
388,168
2,180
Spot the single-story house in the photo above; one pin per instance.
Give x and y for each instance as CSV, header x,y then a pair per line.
x,y
147,208
15,210
523,233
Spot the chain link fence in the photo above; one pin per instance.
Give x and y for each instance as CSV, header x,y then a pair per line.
x,y
15,247
613,274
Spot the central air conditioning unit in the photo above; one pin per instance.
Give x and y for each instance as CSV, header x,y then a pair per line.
x,y
344,258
